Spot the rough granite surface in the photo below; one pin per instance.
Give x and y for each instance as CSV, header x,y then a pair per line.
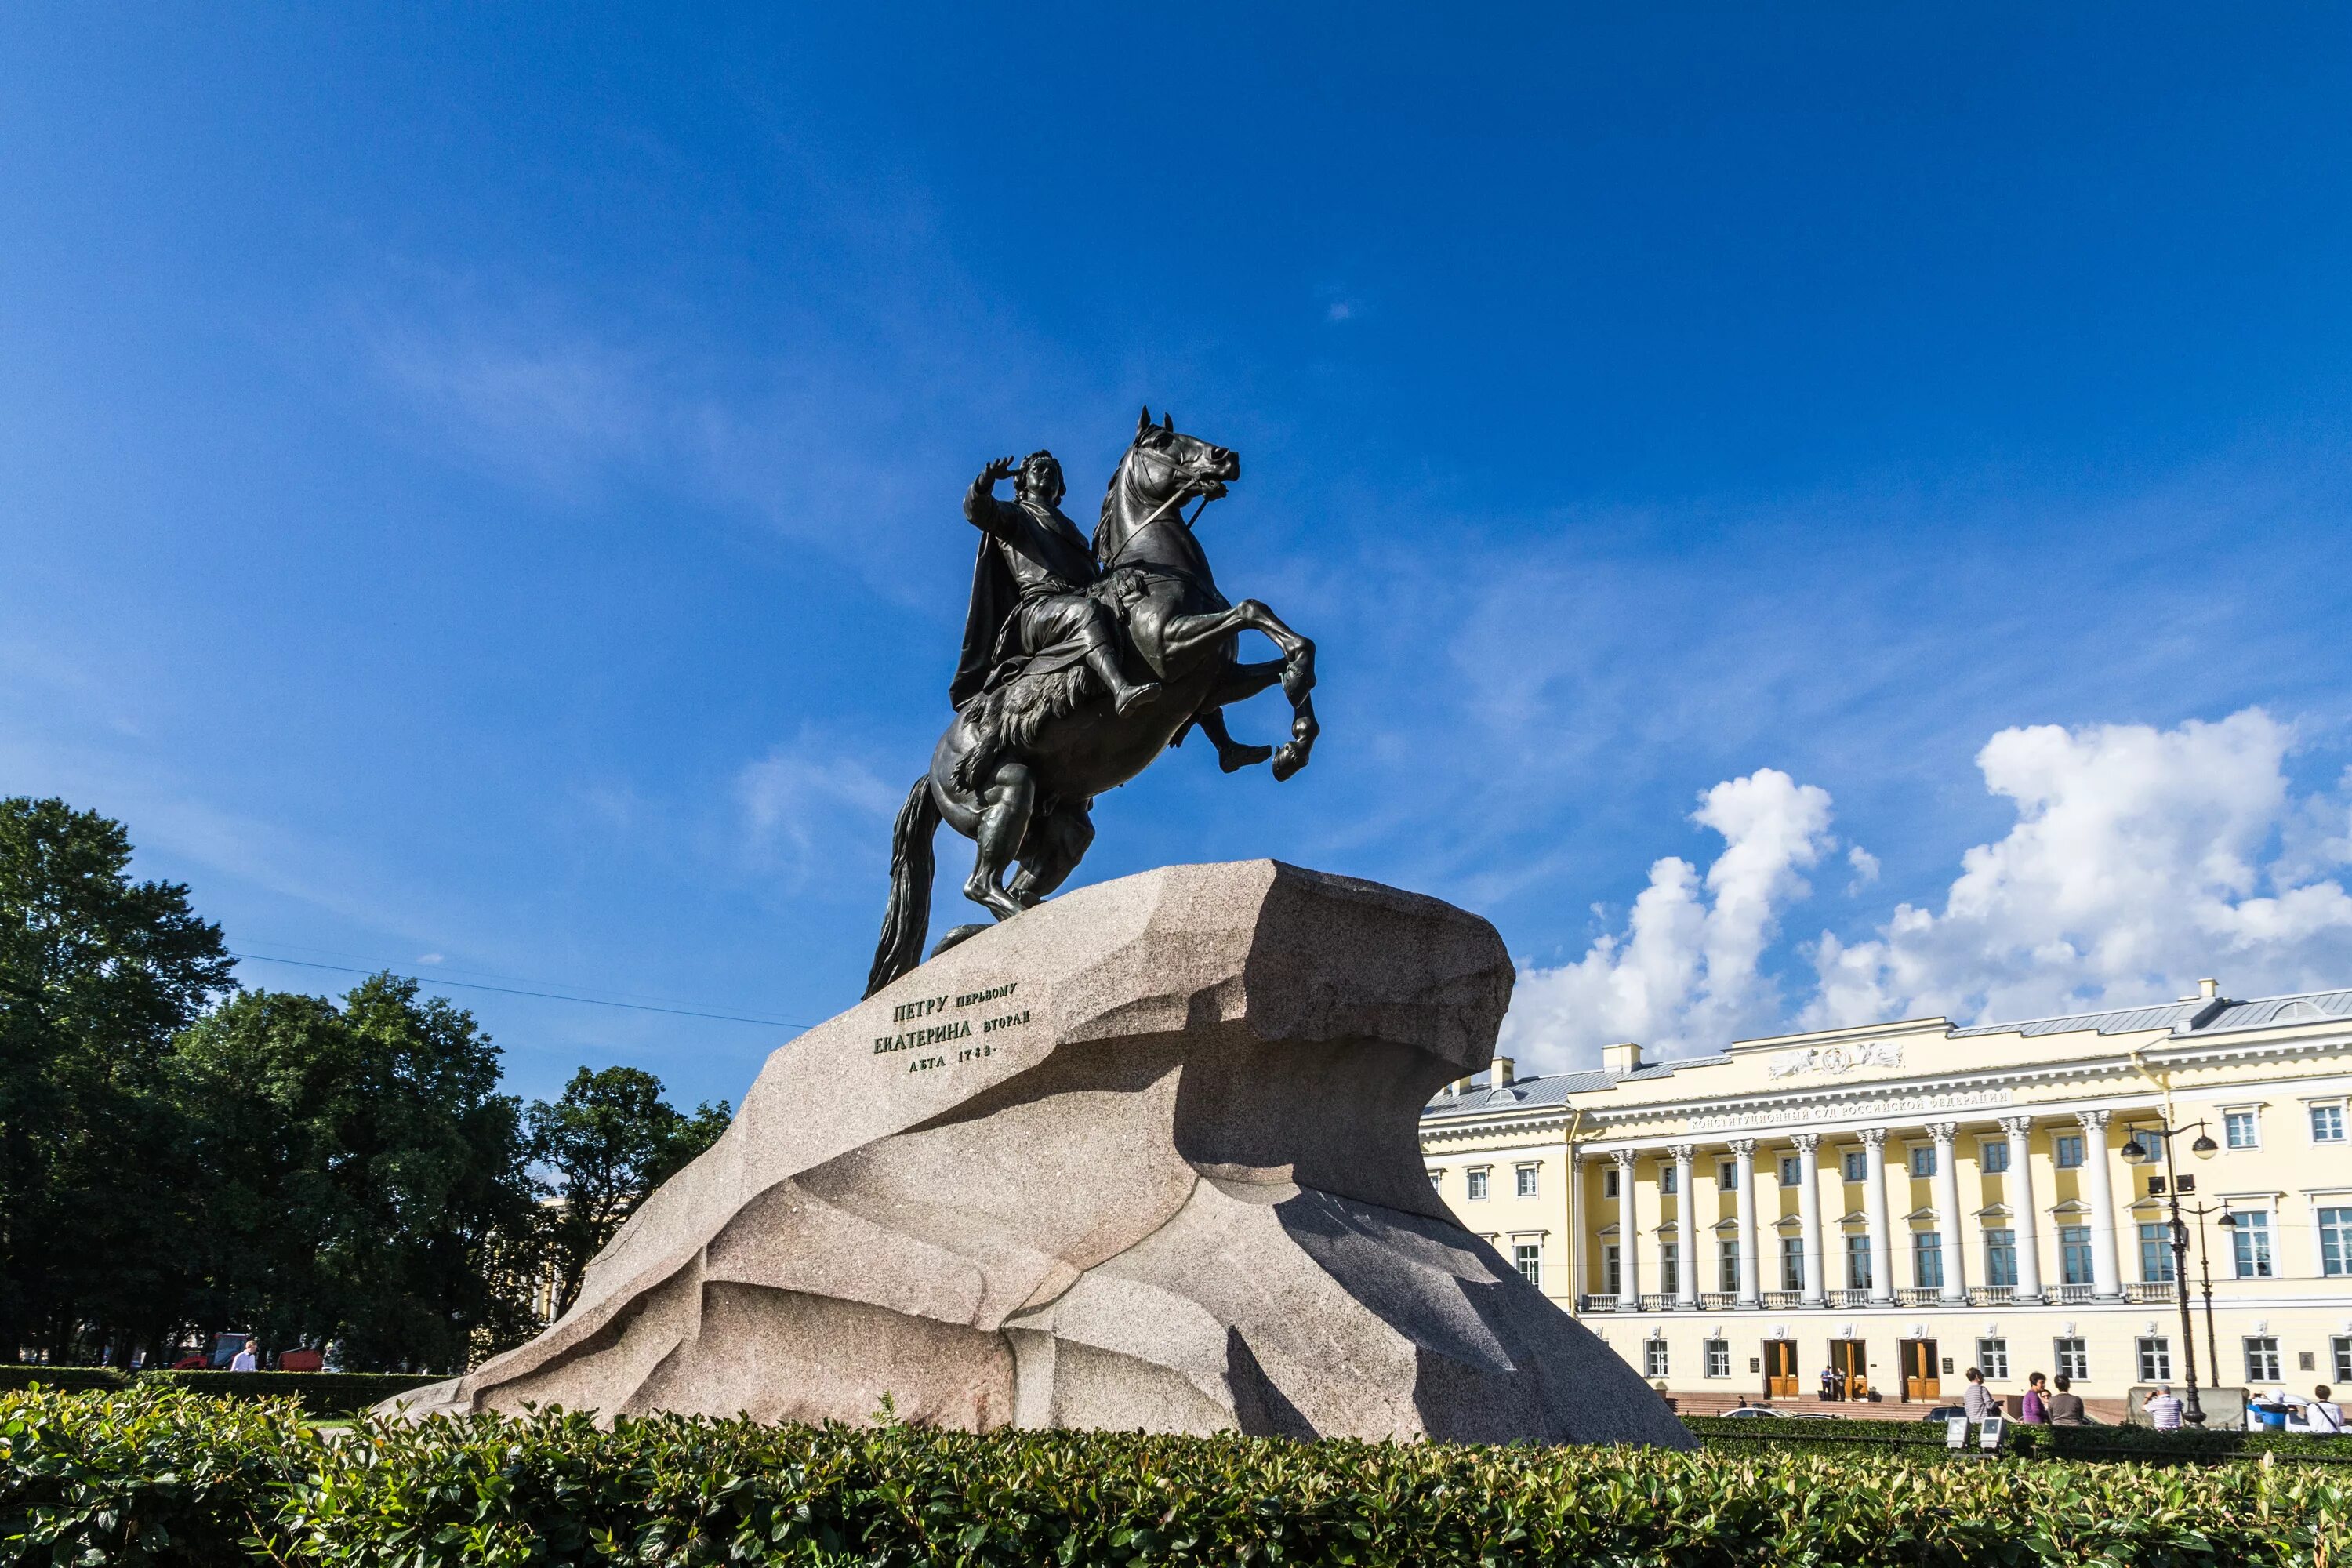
x,y
1144,1157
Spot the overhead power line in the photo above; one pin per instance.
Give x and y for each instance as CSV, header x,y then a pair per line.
x,y
436,980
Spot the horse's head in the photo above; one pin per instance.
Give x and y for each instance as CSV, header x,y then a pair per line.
x,y
1163,461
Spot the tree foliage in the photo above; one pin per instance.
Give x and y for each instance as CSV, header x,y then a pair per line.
x,y
609,1139
178,1155
97,975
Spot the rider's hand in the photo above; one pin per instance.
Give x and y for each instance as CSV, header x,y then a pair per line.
x,y
1001,468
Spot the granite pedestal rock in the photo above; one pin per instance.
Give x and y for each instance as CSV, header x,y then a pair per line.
x,y
1145,1156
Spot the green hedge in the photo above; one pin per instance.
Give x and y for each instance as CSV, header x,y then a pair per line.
x,y
161,1478
24,1375
2042,1442
322,1392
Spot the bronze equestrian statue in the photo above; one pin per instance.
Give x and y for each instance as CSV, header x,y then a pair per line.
x,y
1080,665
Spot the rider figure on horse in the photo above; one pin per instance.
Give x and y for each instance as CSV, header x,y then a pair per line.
x,y
1028,591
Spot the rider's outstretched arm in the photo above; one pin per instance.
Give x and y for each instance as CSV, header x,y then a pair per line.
x,y
980,507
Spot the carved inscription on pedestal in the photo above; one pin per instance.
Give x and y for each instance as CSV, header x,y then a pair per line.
x,y
993,1006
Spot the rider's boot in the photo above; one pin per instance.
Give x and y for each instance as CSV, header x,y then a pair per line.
x,y
1124,693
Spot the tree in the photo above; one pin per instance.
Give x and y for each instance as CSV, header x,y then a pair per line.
x,y
363,1180
609,1138
98,973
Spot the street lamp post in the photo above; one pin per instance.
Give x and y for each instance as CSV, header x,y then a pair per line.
x,y
2203,1148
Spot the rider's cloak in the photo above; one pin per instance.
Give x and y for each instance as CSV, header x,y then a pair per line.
x,y
993,597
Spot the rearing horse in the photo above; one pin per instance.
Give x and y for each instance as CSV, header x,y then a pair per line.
x,y
1021,764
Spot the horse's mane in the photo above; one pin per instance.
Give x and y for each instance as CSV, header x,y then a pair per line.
x,y
1118,477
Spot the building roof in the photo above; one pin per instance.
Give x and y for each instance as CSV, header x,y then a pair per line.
x,y
2197,1015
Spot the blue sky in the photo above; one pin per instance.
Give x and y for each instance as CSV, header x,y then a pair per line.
x,y
464,470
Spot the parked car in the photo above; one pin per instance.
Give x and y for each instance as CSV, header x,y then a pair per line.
x,y
1753,1410
1815,1416
1946,1413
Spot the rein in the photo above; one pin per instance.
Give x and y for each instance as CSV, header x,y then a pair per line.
x,y
1158,512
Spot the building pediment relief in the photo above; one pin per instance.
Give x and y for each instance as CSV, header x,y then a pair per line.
x,y
1996,1211
1833,1060
1921,1216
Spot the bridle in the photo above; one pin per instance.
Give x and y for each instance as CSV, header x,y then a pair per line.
x,y
1159,511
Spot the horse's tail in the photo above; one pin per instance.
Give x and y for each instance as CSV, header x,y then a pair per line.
x,y
908,919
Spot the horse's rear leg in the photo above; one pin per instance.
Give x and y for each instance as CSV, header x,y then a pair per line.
x,y
1006,806
1058,842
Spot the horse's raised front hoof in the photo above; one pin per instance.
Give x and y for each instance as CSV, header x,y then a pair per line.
x,y
1298,672
1233,758
1289,761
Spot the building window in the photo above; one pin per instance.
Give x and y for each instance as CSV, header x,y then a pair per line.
x,y
1791,1171
1857,1263
1527,1174
2252,1243
1992,1156
1478,1183
2001,1258
1922,1159
1727,1175
2074,1255
2340,1351
1728,1254
2239,1131
1437,1180
1992,1360
2262,1358
2074,1359
1927,1259
1718,1357
1654,1359
2155,1361
1670,1271
1792,1263
2327,1124
2155,1253
1857,1164
1612,1281
2336,1241
1528,1256
1669,1178
2067,1149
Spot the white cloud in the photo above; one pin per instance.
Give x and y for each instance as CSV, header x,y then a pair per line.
x,y
1866,868
1685,974
2141,860
805,802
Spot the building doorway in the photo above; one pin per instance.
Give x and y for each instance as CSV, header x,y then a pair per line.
x,y
1920,1380
1780,1369
1849,1370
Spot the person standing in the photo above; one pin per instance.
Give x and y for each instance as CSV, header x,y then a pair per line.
x,y
2033,1410
247,1357
2163,1408
2325,1417
1978,1402
2066,1408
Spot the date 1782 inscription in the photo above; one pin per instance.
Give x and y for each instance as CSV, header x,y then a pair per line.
x,y
947,1029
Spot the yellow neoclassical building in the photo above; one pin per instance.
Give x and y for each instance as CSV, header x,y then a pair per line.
x,y
1885,1207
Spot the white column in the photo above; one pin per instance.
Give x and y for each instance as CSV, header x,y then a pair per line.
x,y
1809,1209
1882,1235
2106,1277
1948,1208
2025,1217
1576,1280
1686,1229
1629,1252
1745,1148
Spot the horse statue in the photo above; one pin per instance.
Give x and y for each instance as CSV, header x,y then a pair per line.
x,y
1021,764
